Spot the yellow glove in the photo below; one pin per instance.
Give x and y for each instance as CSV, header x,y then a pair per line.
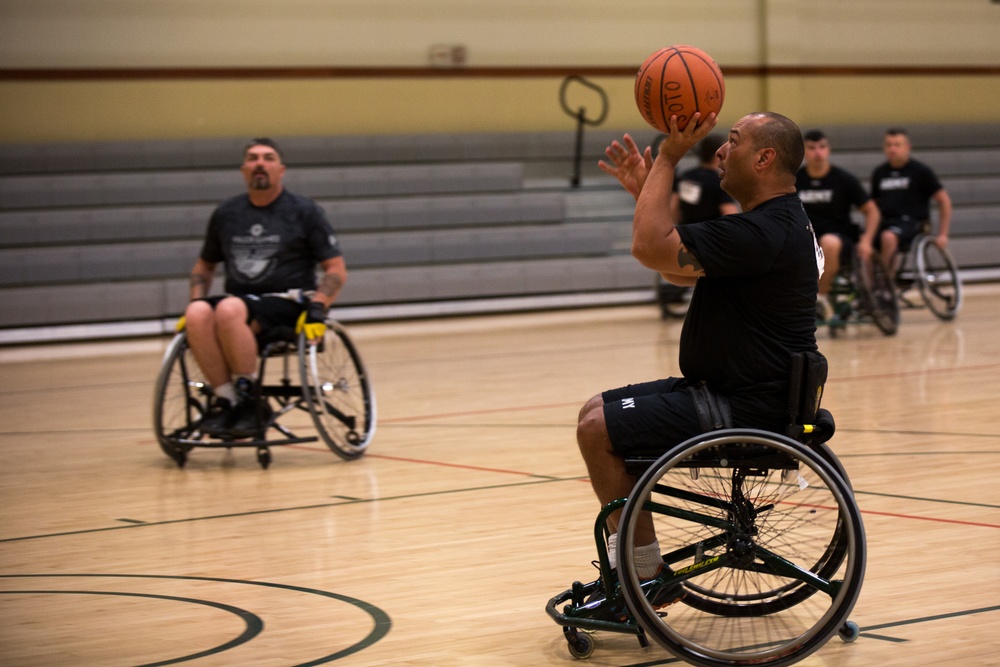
x,y
181,323
312,321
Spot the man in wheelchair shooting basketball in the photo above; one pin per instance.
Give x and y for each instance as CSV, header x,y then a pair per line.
x,y
755,276
270,241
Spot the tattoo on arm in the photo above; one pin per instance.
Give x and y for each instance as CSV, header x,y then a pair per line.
x,y
685,258
199,284
330,284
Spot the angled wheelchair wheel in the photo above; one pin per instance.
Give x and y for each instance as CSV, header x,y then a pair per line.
x,y
338,392
765,539
938,279
180,400
878,298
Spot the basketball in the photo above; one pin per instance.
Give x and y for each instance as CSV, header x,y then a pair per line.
x,y
678,80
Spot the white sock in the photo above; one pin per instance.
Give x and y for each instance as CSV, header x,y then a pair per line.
x,y
648,560
227,391
613,550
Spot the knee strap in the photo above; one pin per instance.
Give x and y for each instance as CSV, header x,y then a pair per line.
x,y
712,410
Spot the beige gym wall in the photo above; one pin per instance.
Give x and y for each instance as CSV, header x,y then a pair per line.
x,y
180,34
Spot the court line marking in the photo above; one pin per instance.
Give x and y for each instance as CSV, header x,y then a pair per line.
x,y
382,621
865,632
253,622
278,510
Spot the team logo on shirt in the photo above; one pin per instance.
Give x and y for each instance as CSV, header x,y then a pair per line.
x,y
895,183
253,254
816,196
689,192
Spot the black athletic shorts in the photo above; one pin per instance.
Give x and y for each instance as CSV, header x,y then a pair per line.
x,y
271,312
906,229
650,417
847,244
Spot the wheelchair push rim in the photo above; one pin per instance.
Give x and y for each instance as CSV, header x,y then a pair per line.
x,y
777,540
337,389
938,279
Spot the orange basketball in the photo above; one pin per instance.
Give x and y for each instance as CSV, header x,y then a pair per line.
x,y
678,80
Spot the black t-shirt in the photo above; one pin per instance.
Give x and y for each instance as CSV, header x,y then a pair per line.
x,y
700,194
904,193
271,248
828,201
755,305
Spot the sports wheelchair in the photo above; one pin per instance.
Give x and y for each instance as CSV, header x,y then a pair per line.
x,y
327,380
759,530
934,273
863,293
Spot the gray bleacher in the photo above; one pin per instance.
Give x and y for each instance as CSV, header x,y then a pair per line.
x,y
106,232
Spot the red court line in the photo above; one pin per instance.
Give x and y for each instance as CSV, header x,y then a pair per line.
x,y
445,415
456,465
893,515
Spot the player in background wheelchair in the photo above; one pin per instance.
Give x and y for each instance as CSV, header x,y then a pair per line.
x,y
828,194
270,242
912,252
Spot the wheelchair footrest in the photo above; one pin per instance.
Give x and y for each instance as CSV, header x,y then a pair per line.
x,y
566,619
246,442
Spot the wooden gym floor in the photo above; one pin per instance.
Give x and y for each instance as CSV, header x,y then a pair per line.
x,y
471,508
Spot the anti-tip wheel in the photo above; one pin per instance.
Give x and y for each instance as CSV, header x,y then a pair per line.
x,y
849,631
581,645
264,457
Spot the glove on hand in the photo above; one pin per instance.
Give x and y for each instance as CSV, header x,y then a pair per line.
x,y
312,321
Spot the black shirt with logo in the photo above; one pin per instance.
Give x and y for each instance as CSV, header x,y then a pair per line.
x,y
269,249
700,194
755,305
828,201
904,193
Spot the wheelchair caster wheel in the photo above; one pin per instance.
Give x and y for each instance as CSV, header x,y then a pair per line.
x,y
179,456
849,631
264,457
580,645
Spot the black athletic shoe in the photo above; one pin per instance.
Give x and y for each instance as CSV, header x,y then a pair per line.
x,y
243,420
661,594
658,593
214,421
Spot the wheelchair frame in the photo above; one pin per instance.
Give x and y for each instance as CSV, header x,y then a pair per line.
x,y
334,388
734,510
862,293
760,531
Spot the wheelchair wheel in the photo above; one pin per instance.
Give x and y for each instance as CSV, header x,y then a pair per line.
x,y
938,279
338,392
766,540
180,400
877,294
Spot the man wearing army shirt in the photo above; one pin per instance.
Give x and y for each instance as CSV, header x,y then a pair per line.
x,y
828,193
903,189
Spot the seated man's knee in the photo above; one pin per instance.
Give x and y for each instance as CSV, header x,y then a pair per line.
x,y
231,310
592,432
592,404
198,313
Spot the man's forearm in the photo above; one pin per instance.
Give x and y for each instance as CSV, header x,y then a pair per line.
x,y
198,285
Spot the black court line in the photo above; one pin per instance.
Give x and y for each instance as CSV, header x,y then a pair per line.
x,y
865,632
279,510
254,625
382,621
